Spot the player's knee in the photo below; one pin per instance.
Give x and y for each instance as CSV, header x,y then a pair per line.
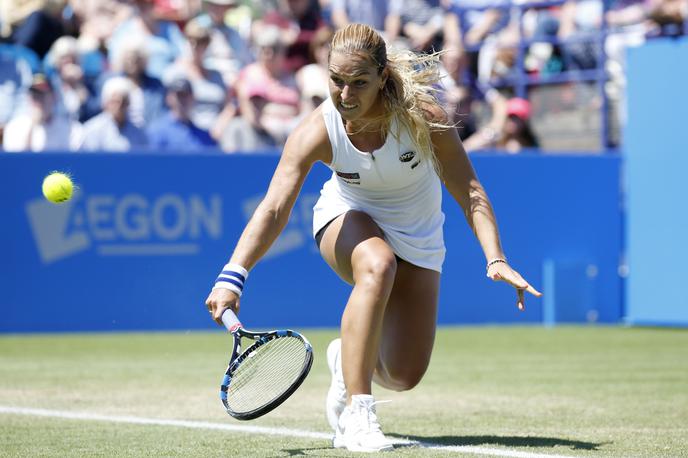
x,y
378,267
407,378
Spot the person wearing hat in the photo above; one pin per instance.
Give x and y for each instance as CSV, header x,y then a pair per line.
x,y
211,101
248,133
281,111
298,22
509,127
313,79
41,128
175,131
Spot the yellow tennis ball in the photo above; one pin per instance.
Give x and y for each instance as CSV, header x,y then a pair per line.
x,y
58,187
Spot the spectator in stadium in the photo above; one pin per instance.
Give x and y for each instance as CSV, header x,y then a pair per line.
x,y
298,21
418,22
282,108
468,33
227,51
75,98
312,79
508,129
175,131
162,40
541,25
176,11
34,24
458,102
212,100
668,17
378,223
98,20
15,80
147,97
41,128
112,130
580,22
627,26
247,133
371,12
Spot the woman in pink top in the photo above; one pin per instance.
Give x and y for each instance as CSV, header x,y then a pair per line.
x,y
281,109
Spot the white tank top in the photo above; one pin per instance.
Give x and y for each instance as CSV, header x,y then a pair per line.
x,y
397,187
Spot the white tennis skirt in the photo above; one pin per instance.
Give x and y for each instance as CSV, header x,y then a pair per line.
x,y
418,240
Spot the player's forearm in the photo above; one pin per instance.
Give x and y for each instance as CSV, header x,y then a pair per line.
x,y
481,218
259,235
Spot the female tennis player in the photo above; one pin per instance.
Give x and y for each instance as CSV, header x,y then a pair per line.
x,y
378,222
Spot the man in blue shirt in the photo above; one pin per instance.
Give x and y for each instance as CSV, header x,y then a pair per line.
x,y
175,132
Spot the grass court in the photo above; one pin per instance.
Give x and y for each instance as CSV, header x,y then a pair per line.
x,y
490,391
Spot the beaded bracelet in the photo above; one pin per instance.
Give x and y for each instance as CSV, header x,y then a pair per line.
x,y
232,278
493,262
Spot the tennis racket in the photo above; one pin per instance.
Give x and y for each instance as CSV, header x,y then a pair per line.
x,y
266,373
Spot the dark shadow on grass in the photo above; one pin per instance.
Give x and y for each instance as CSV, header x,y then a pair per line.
x,y
313,451
507,441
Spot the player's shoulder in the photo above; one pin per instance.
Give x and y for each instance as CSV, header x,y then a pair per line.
x,y
434,113
310,138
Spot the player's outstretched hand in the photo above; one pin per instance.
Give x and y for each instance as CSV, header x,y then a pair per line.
x,y
501,271
219,300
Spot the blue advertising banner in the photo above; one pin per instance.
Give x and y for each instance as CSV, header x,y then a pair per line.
x,y
142,241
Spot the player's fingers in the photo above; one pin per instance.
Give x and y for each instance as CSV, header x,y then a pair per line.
x,y
533,291
217,314
494,276
516,280
521,304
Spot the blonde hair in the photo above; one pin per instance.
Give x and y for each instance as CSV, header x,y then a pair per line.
x,y
411,86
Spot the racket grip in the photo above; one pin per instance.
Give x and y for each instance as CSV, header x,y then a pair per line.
x,y
230,320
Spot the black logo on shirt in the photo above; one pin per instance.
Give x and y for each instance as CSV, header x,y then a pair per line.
x,y
351,178
407,156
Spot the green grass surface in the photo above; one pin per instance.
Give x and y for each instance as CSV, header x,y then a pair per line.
x,y
575,391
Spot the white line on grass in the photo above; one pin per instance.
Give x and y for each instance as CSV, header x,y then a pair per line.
x,y
260,430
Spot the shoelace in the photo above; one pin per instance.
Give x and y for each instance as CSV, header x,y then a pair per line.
x,y
371,423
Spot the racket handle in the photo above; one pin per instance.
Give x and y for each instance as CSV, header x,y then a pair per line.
x,y
230,320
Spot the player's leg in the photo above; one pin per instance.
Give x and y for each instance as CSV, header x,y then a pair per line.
x,y
354,247
408,329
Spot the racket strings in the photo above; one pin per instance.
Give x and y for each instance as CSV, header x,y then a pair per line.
x,y
266,373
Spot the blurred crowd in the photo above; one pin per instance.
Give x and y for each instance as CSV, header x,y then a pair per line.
x,y
237,75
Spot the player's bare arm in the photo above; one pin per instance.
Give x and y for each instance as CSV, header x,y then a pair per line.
x,y
462,183
305,146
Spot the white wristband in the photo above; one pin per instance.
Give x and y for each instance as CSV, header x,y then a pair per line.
x,y
232,278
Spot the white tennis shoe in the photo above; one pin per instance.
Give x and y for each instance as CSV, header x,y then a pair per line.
x,y
336,396
358,429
